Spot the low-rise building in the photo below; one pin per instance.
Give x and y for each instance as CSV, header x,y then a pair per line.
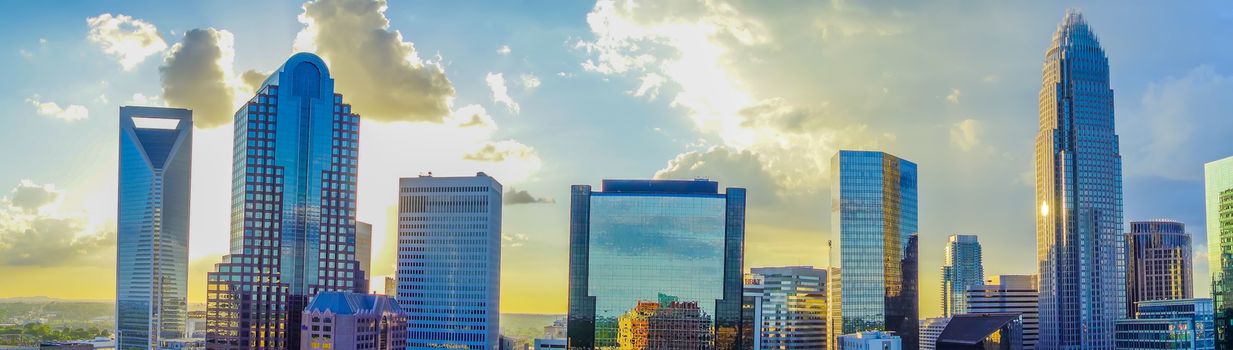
x,y
1169,324
872,340
993,331
340,320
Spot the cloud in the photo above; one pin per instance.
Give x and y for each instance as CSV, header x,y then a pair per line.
x,y
514,240
501,151
953,97
503,50
33,235
1172,131
30,197
252,80
728,167
966,134
197,74
500,94
125,38
472,116
140,99
649,86
377,71
529,82
53,110
515,197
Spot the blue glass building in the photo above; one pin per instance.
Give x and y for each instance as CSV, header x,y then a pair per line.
x,y
1079,240
156,148
874,270
449,261
1169,324
655,264
292,210
961,270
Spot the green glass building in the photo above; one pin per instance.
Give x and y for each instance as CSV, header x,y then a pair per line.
x,y
1218,183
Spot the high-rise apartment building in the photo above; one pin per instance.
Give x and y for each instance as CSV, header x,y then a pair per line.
x,y
156,149
1158,263
449,261
646,252
1218,192
961,270
790,312
340,320
930,330
1079,237
873,219
292,210
1169,324
1010,294
363,250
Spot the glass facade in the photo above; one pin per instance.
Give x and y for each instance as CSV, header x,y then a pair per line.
x,y
1079,240
449,261
874,218
1218,192
292,210
156,148
961,270
1158,265
656,264
1169,324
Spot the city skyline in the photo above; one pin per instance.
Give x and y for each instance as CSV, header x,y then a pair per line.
x,y
965,129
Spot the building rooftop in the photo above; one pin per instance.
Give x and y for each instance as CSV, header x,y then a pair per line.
x,y
698,186
340,303
973,328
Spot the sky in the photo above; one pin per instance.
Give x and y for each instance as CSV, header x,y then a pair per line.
x,y
542,96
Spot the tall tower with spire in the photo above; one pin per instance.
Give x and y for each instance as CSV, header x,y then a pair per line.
x,y
1078,195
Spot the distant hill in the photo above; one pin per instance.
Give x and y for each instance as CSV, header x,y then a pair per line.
x,y
43,300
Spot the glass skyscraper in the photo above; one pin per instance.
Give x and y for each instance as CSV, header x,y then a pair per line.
x,y
1218,192
449,261
1079,240
961,270
656,264
873,219
1158,263
156,149
292,210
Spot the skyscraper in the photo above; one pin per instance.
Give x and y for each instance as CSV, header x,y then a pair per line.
x,y
1218,191
292,210
1079,236
156,149
363,250
791,312
1158,265
677,244
449,261
873,217
961,271
1014,294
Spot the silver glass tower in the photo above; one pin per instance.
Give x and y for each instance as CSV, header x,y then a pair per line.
x,y
961,271
449,261
873,219
1079,236
156,148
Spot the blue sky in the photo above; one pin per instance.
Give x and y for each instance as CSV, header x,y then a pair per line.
x,y
751,94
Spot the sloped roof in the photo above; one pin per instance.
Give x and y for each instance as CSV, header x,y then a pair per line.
x,y
973,328
340,303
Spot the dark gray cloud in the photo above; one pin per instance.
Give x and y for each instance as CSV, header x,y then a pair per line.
x,y
196,75
379,72
515,196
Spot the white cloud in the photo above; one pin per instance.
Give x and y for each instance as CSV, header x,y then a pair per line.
x,y
649,86
514,240
375,68
966,134
954,95
1172,131
503,50
498,151
127,39
529,81
33,233
197,74
54,110
500,93
140,99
